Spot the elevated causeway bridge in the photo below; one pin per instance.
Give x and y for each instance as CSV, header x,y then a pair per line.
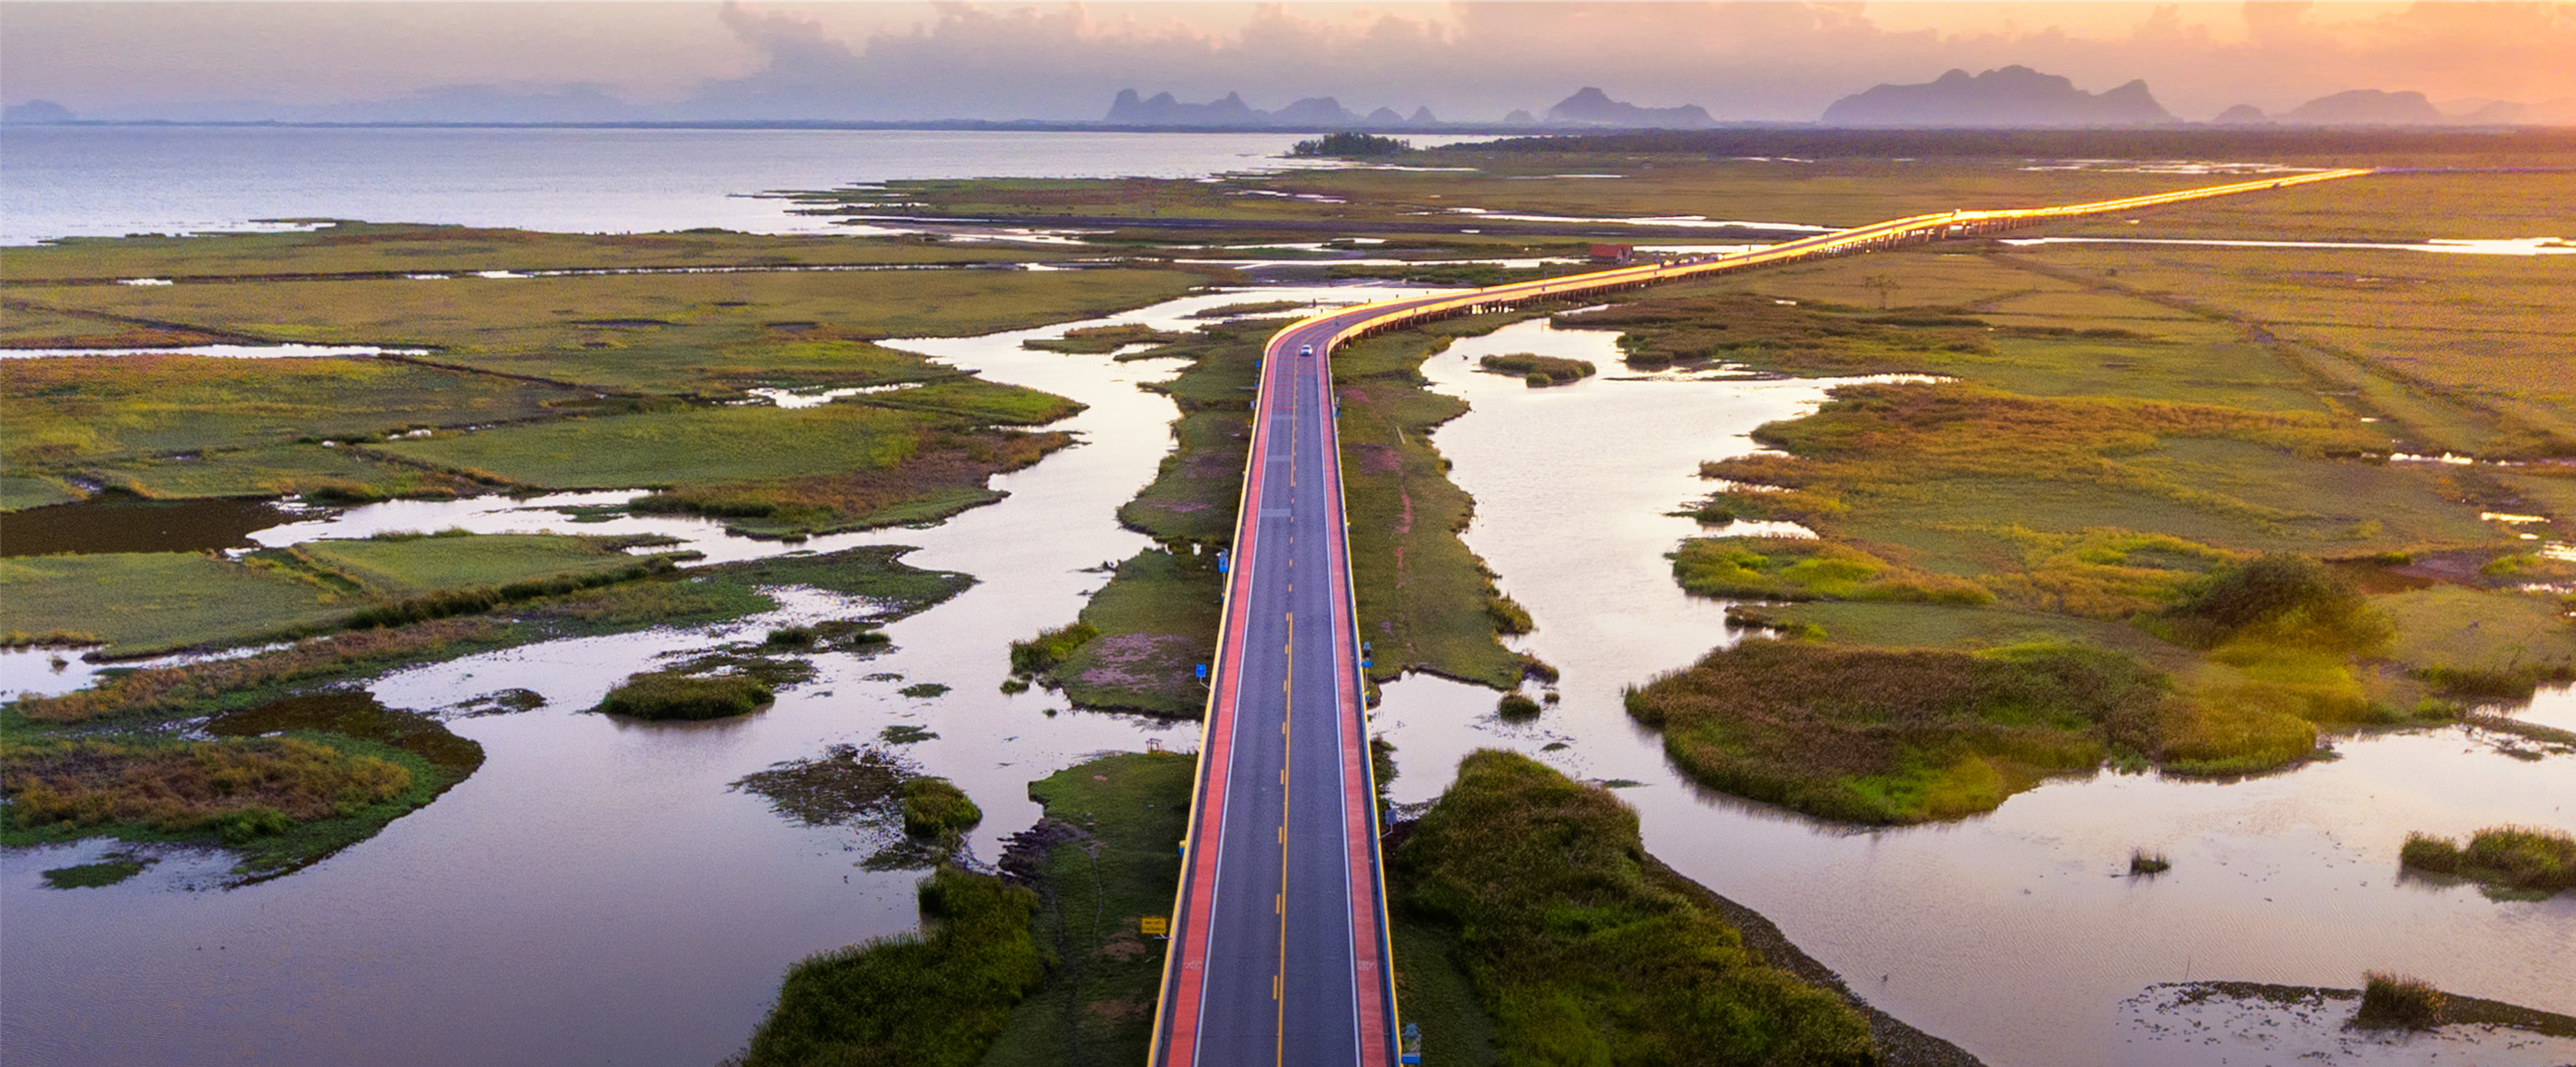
x,y
1279,951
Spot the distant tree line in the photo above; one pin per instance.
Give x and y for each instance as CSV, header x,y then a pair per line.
x,y
2175,143
1350,144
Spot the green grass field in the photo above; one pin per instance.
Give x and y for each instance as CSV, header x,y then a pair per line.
x,y
1576,954
69,411
140,602
399,568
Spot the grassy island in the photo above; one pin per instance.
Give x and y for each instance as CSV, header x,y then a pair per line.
x,y
2513,860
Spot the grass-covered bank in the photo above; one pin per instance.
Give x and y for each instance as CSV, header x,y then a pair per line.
x,y
1139,641
1100,860
1578,954
2268,650
2513,861
1426,602
934,999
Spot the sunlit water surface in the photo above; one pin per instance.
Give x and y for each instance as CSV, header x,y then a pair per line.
x,y
106,181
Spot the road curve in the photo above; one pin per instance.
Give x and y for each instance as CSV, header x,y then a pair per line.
x,y
1279,948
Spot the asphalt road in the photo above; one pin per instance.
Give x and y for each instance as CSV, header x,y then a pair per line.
x,y
1279,941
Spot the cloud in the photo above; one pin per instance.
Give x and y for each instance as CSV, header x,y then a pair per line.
x,y
1757,60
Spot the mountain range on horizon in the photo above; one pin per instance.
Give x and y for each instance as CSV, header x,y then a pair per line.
x,y
2007,96
2011,96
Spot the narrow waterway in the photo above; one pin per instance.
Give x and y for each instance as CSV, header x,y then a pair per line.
x,y
595,893
2017,935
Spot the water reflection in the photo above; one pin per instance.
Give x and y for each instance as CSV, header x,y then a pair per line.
x,y
2017,934
116,523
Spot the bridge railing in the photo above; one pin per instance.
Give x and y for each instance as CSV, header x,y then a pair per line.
x,y
1914,230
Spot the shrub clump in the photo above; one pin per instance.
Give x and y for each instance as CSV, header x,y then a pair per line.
x,y
1044,652
668,695
2397,1000
1887,736
1508,615
2280,599
934,1000
2519,858
1540,371
2142,861
935,807
235,789
1577,948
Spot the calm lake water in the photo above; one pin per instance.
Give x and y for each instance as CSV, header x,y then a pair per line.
x,y
65,181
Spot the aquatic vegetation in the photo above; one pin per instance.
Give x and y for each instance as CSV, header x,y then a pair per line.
x,y
1792,568
670,695
1575,948
1509,616
1878,735
2397,1000
111,871
2282,599
1516,707
168,600
1102,340
935,807
2527,859
936,999
1050,648
66,414
1540,370
2142,861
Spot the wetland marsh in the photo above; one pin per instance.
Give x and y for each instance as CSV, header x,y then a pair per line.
x,y
2150,415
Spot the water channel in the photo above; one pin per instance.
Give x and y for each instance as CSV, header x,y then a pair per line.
x,y
596,894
